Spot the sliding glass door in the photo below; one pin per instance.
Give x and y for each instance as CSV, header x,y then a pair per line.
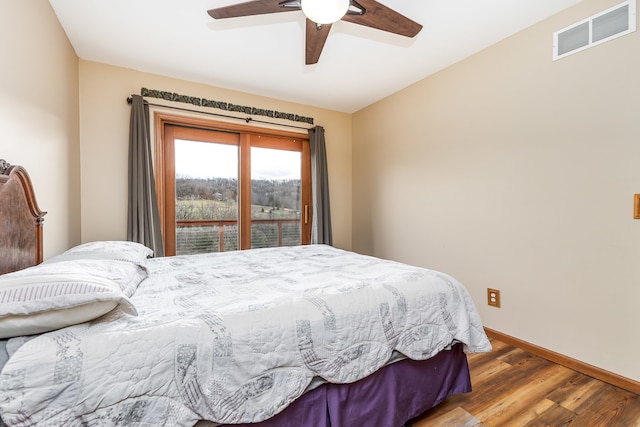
x,y
229,189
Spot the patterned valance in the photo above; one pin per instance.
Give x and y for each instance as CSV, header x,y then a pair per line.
x,y
226,106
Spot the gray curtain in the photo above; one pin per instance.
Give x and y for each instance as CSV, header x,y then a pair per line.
x,y
143,225
321,224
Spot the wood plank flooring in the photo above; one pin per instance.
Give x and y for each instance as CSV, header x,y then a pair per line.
x,y
514,388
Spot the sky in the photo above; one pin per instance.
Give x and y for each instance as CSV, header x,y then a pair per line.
x,y
207,160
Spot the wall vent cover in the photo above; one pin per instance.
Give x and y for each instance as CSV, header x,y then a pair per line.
x,y
608,25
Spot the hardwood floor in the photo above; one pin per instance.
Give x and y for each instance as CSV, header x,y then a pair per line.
x,y
514,388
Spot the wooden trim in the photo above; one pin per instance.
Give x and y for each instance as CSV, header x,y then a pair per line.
x,y
168,207
244,221
307,203
204,135
582,367
277,142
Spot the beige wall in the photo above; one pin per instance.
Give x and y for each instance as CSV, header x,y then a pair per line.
x,y
104,133
39,113
511,171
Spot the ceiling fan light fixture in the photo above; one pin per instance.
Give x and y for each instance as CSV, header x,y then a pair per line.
x,y
324,11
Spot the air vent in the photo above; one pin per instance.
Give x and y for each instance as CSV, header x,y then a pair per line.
x,y
614,22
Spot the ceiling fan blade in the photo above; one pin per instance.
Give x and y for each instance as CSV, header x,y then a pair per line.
x,y
315,38
254,7
381,17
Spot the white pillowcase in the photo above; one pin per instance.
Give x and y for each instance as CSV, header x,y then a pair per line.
x,y
51,296
118,250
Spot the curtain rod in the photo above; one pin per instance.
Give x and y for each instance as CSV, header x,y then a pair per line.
x,y
246,119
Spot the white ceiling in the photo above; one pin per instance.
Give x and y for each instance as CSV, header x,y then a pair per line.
x,y
264,54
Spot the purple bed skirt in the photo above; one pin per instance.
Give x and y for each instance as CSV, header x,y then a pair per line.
x,y
390,397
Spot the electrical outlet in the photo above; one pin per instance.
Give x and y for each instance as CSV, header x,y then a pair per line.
x,y
493,297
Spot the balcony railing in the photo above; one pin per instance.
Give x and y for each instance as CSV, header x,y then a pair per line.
x,y
201,236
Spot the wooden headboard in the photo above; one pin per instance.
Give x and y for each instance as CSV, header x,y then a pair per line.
x,y
20,220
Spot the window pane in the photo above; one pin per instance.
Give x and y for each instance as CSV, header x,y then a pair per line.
x,y
275,197
206,197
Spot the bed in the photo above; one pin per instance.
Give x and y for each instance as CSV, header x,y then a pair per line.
x,y
104,334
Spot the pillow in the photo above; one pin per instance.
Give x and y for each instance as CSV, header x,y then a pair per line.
x,y
118,250
52,296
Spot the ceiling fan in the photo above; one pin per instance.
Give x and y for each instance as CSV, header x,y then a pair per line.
x,y
321,14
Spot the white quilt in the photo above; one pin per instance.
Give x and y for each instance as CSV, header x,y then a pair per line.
x,y
235,337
